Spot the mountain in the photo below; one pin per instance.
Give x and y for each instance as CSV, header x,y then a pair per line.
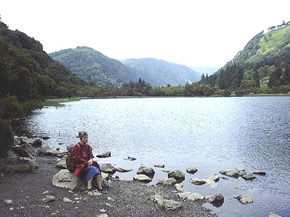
x,y
161,73
93,66
264,63
27,72
205,70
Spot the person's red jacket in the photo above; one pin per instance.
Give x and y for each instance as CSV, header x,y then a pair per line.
x,y
82,154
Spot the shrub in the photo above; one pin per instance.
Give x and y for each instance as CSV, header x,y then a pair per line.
x,y
6,137
10,107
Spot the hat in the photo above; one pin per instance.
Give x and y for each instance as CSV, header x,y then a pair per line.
x,y
82,134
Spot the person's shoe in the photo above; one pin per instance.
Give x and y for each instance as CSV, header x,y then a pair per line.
x,y
103,191
92,189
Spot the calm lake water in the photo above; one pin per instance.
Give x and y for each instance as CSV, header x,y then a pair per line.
x,y
211,134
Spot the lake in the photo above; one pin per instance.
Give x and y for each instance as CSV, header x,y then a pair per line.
x,y
211,134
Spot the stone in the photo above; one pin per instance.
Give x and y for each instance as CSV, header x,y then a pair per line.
x,y
177,175
102,215
8,202
35,142
122,170
49,198
197,181
103,210
244,199
212,180
232,173
146,171
191,196
47,151
191,170
249,177
217,200
259,172
159,165
62,163
20,165
168,205
179,187
166,171
24,150
65,179
94,193
142,178
168,181
107,204
47,192
271,214
104,155
67,200
107,168
105,175
130,158
110,199
17,140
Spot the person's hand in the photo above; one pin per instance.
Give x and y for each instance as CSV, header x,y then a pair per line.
x,y
90,162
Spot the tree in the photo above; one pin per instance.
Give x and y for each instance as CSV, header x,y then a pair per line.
x,y
286,75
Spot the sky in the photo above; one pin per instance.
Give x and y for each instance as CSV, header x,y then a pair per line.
x,y
190,32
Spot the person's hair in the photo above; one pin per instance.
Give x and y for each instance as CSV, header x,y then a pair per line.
x,y
82,134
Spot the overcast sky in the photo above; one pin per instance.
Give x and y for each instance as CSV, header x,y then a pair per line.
x,y
190,32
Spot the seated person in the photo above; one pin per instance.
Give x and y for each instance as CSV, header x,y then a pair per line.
x,y
87,169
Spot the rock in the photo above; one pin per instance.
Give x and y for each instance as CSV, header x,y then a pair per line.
x,y
35,142
24,150
45,137
49,198
47,151
176,174
232,173
65,179
166,171
62,163
190,196
110,199
102,215
169,181
217,200
104,155
212,180
178,187
107,204
103,210
122,170
142,178
168,205
8,202
108,168
67,200
259,172
191,170
69,147
197,181
106,175
47,192
130,158
146,171
244,199
19,165
271,214
94,193
159,165
17,140
249,177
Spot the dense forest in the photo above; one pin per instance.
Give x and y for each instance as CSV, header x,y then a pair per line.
x,y
261,67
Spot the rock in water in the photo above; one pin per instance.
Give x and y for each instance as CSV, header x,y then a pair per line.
x,y
108,168
259,172
146,171
176,174
197,181
244,199
191,170
65,179
104,155
159,165
249,177
122,170
217,200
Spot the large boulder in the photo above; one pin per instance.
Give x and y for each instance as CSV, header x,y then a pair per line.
x,y
65,179
168,205
176,174
35,142
107,168
146,171
24,150
168,182
190,196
